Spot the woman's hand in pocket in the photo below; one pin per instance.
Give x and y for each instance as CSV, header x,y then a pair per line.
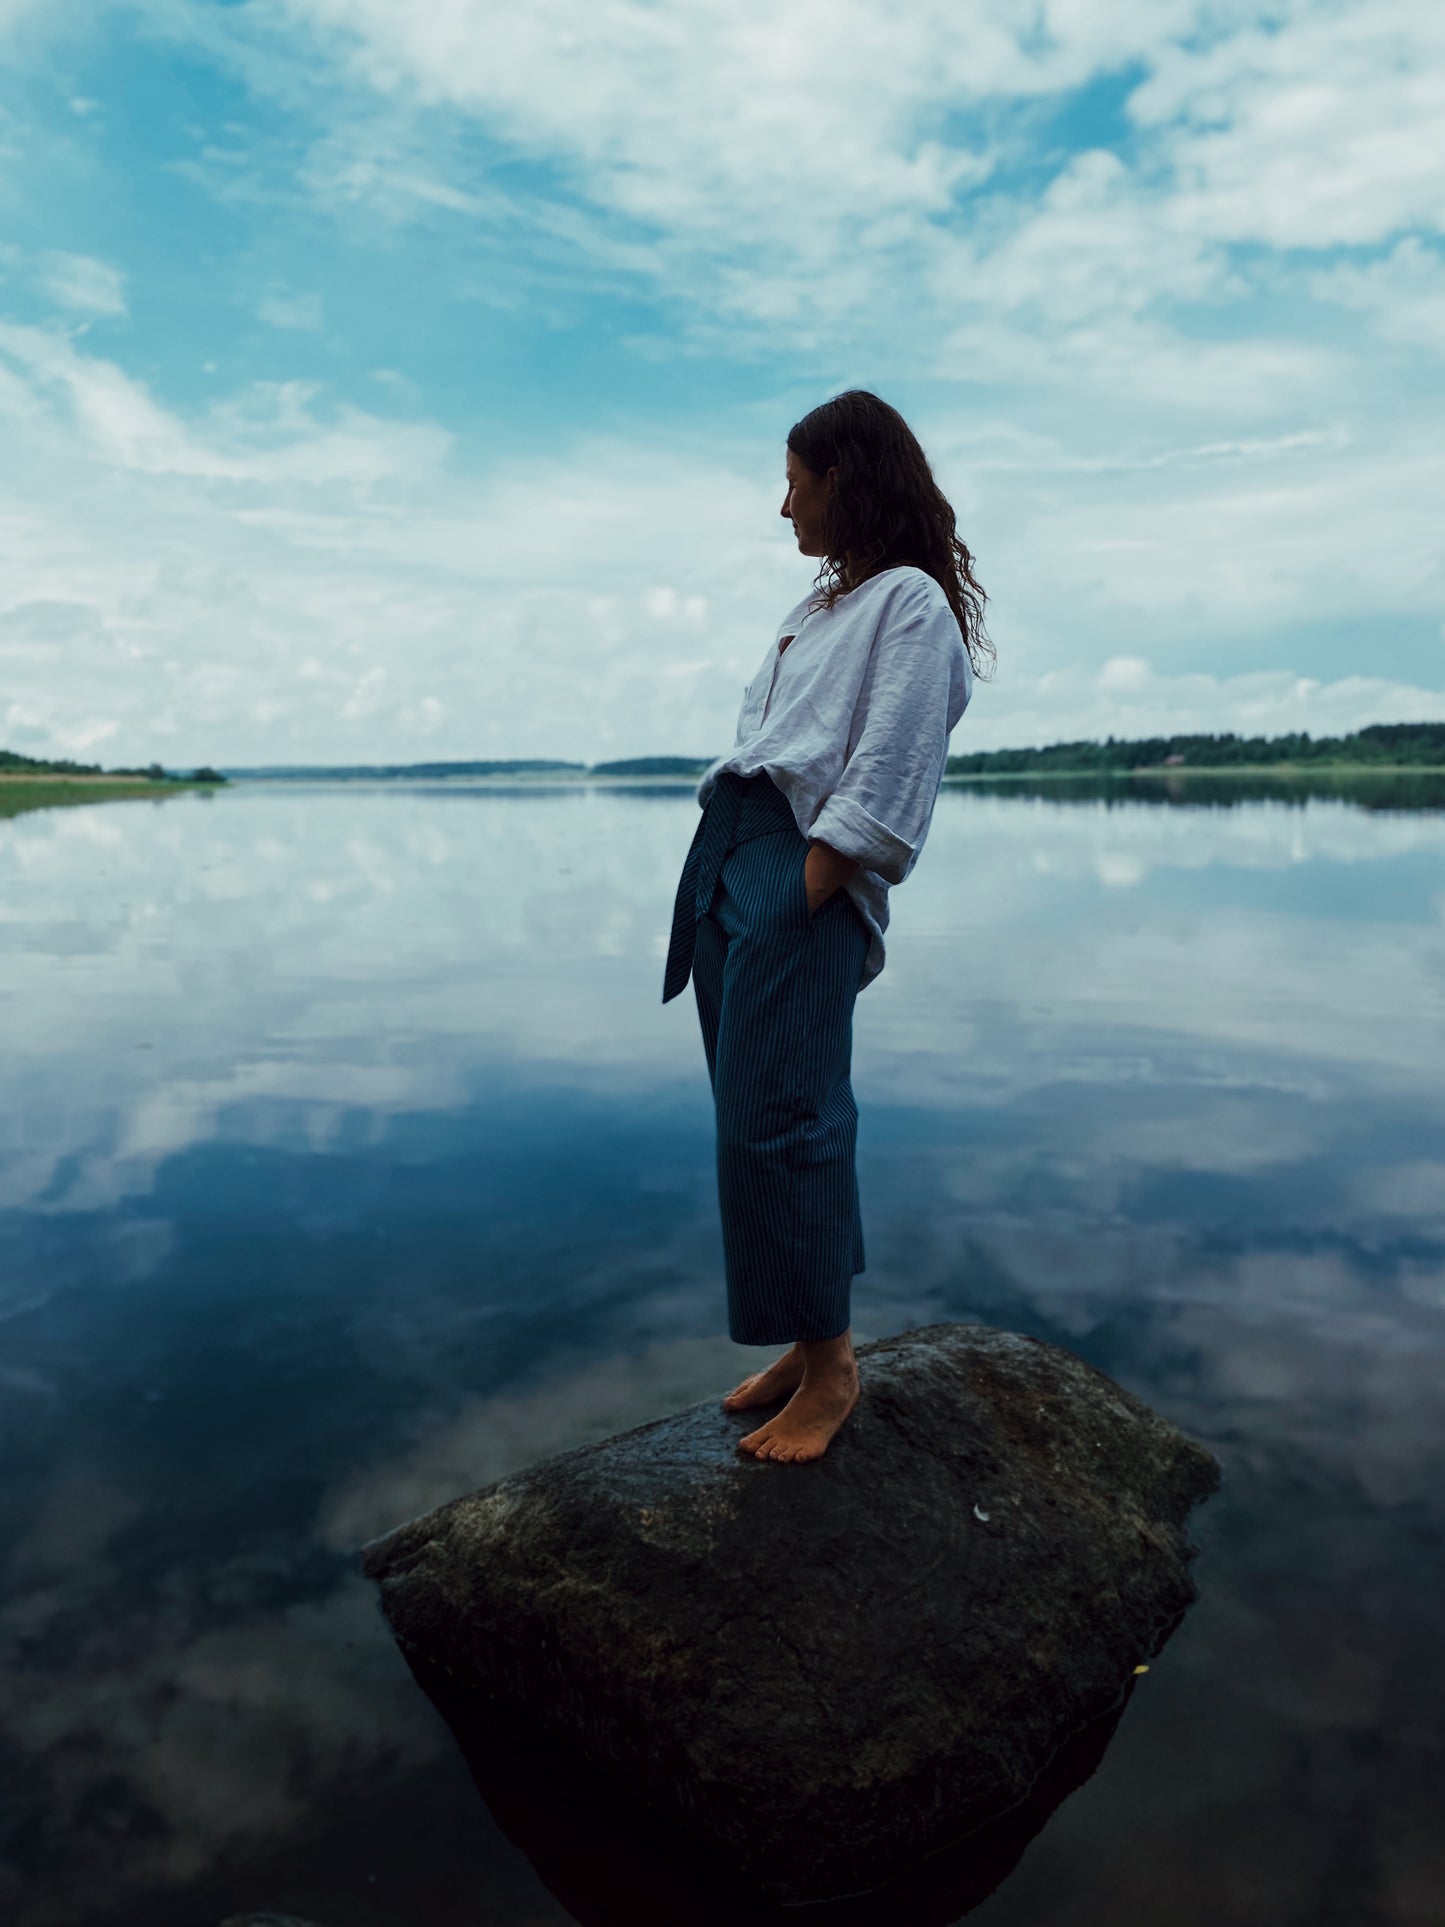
x,y
824,871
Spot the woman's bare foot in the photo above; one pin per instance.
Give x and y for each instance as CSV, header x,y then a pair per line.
x,y
784,1375
805,1427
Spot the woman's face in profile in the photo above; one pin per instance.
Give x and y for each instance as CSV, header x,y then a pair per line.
x,y
804,503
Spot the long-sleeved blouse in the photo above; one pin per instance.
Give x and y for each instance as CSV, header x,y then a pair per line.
x,y
851,720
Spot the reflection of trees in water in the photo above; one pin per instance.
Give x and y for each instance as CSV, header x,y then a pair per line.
x,y
1365,789
34,793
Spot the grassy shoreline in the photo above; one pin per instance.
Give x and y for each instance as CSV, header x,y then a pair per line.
x,y
26,791
105,778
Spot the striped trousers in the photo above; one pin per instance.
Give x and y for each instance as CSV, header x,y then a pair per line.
x,y
775,988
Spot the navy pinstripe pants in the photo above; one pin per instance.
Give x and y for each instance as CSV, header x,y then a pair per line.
x,y
775,988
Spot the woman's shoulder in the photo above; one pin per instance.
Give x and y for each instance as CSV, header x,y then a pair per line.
x,y
911,597
906,585
904,591
912,602
900,590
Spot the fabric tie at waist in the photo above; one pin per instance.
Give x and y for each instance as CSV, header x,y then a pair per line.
x,y
738,807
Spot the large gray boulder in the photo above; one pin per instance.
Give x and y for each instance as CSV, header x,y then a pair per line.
x,y
823,1672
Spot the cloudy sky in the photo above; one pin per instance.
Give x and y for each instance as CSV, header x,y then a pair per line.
x,y
399,382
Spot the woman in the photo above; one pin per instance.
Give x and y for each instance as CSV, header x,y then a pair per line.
x,y
823,801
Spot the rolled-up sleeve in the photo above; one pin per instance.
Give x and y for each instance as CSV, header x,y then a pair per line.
x,y
879,810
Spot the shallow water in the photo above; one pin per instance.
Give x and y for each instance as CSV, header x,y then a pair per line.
x,y
349,1160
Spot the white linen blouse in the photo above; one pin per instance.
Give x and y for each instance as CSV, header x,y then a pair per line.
x,y
851,721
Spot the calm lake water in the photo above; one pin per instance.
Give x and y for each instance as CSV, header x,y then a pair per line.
x,y
350,1161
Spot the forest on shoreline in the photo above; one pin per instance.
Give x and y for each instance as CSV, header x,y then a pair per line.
x,y
1380,746
61,769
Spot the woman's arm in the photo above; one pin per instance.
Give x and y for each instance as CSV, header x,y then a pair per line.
x,y
878,811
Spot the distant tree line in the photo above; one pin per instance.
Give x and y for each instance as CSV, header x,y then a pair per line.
x,y
34,766
652,766
61,766
1412,744
1417,745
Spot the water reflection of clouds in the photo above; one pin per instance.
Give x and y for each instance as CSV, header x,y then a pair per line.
x,y
155,1678
482,877
224,1731
216,1001
1413,1190
1288,1339
1189,1138
262,1102
1349,998
193,1744
228,1728
264,963
1080,839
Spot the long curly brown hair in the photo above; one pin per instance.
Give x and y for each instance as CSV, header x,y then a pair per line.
x,y
886,510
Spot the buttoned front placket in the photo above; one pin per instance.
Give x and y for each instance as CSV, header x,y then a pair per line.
x,y
773,682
